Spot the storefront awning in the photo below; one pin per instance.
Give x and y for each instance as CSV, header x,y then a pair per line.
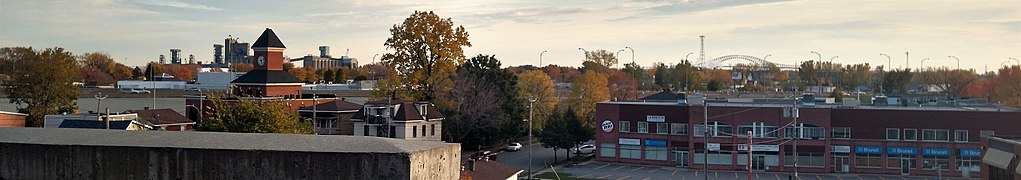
x,y
997,158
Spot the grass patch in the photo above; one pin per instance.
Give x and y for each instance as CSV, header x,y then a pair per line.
x,y
575,159
564,176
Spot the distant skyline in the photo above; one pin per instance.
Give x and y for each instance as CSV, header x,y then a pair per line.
x,y
980,33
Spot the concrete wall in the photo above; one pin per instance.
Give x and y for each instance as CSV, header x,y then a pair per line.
x,y
62,160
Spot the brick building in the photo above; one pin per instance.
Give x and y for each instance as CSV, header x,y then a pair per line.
x,y
12,119
833,139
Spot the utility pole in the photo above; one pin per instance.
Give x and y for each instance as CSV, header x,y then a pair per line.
x,y
107,118
705,137
100,97
749,155
797,131
530,107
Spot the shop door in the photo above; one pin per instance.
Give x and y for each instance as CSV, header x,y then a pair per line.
x,y
905,166
841,164
759,163
681,158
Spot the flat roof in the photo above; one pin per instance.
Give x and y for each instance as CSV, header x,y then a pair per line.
x,y
834,106
215,140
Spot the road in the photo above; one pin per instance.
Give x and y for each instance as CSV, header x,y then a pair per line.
x,y
540,157
601,170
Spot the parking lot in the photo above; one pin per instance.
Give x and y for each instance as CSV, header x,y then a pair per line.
x,y
600,170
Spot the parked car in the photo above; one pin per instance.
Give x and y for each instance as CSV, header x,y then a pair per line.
x,y
514,146
584,149
195,89
135,91
483,154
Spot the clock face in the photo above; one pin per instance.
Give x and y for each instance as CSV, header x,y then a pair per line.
x,y
262,60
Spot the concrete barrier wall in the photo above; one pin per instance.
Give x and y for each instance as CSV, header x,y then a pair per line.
x,y
35,157
30,161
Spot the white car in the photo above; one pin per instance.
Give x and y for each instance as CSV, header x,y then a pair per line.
x,y
514,147
135,91
585,149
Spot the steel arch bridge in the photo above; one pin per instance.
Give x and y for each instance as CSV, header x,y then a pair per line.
x,y
763,64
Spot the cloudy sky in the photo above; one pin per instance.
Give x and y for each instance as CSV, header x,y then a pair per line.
x,y
980,33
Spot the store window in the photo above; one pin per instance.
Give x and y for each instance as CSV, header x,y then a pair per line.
x,y
678,129
841,133
806,131
933,162
607,150
910,134
714,157
973,164
630,151
661,128
625,126
716,129
868,160
643,127
805,159
892,134
655,153
760,130
935,135
961,136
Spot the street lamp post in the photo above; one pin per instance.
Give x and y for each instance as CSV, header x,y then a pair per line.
x,y
958,61
100,97
922,65
1015,60
540,58
618,55
888,61
705,137
585,51
1001,65
632,53
530,107
831,69
820,62
374,58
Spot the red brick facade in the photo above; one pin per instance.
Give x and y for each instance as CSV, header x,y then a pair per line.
x,y
821,153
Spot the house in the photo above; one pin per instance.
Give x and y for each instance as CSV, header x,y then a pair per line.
x,y
333,118
131,125
165,119
399,119
489,170
12,119
54,121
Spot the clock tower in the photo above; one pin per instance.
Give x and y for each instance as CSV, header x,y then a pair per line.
x,y
268,78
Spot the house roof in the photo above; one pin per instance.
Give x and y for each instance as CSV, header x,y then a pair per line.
x,y
268,39
407,111
94,124
486,170
13,113
336,105
267,76
217,140
166,116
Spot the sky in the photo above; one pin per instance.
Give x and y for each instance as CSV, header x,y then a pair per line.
x,y
982,34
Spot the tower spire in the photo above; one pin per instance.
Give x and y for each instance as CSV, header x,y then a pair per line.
x,y
701,50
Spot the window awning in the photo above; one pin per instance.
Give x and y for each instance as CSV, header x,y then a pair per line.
x,y
998,158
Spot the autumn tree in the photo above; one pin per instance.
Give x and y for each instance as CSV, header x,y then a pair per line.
x,y
426,49
536,84
137,73
602,57
42,82
241,67
587,90
622,85
288,66
808,73
855,75
340,76
249,116
950,81
684,75
153,69
1005,86
99,69
896,81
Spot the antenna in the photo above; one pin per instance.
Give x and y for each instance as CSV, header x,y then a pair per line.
x,y
701,50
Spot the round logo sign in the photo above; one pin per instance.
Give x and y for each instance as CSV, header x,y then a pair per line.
x,y
607,126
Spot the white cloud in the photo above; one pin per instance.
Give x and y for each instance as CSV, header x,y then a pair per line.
x,y
179,4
